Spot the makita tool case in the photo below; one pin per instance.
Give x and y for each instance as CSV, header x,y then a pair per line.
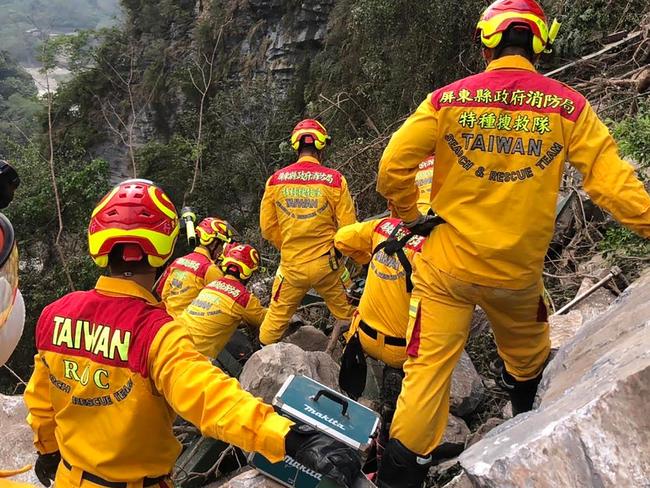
x,y
307,401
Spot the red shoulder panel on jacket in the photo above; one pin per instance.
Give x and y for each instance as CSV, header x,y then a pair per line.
x,y
115,331
514,90
307,174
386,227
232,289
195,263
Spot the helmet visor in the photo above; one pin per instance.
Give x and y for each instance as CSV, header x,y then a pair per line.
x,y
8,269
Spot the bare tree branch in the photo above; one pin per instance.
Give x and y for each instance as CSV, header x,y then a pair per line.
x,y
207,79
55,188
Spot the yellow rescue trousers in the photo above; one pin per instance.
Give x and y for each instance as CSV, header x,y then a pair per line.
x,y
4,483
74,477
376,347
289,288
440,315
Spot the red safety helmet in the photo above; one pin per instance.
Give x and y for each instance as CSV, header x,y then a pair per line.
x,y
502,14
138,215
309,131
212,228
243,258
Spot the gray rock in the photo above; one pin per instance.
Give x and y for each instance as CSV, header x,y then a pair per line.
x,y
596,303
506,411
371,404
467,389
442,469
250,479
460,481
589,429
262,289
456,434
564,327
17,446
267,369
480,322
308,338
596,267
481,432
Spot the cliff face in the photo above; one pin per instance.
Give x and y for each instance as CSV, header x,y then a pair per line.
x,y
239,45
274,40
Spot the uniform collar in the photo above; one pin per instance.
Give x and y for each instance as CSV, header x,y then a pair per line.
x,y
511,62
109,285
203,252
231,278
308,159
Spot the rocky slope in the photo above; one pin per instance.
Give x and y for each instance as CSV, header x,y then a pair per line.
x,y
589,428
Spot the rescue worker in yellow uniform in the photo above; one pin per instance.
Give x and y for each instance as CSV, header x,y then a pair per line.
x,y
379,323
215,314
303,206
113,369
186,276
501,139
423,180
12,305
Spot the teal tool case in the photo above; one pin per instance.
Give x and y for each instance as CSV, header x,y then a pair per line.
x,y
306,401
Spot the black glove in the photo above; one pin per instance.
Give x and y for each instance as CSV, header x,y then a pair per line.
x,y
46,466
323,454
424,224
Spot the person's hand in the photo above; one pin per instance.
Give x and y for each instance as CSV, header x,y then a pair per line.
x,y
323,454
424,224
46,466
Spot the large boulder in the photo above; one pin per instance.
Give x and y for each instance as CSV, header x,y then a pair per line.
x,y
267,369
591,427
17,446
467,389
308,338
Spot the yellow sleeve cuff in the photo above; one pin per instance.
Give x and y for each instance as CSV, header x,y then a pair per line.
x,y
273,432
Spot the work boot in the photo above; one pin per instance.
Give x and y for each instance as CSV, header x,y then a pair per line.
x,y
522,393
391,387
401,467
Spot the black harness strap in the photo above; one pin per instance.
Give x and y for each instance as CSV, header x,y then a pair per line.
x,y
393,246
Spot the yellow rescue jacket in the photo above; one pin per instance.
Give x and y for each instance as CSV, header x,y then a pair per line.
x,y
302,207
5,483
384,305
501,139
215,314
111,372
423,179
184,278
